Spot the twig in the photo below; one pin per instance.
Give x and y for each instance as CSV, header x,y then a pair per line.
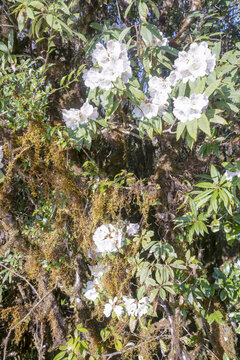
x,y
118,10
126,132
6,25
22,320
169,130
22,277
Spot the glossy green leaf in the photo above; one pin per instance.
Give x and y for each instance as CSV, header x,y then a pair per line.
x,y
192,127
203,124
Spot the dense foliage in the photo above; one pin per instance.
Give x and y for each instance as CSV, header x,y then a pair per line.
x,y
119,180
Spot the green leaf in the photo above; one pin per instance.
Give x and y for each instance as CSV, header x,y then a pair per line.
x,y
170,290
118,345
205,185
64,7
217,49
216,316
3,47
124,33
66,28
218,120
190,141
153,30
213,201
180,128
202,198
224,197
146,34
37,5
141,291
192,128
163,346
105,333
170,50
168,117
142,8
203,124
129,8
81,329
223,294
96,26
198,85
30,13
50,20
137,93
211,88
214,174
159,277
225,357
144,274
21,21
153,294
155,9
10,40
2,176
80,36
60,355
162,294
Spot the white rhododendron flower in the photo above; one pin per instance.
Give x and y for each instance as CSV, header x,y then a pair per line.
x,y
130,305
146,109
230,175
112,62
143,306
91,292
132,229
1,157
136,308
198,61
97,271
71,118
150,108
156,41
108,238
188,109
74,117
156,105
88,111
112,307
159,87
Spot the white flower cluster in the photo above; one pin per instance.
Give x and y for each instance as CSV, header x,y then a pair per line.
x,y
159,89
231,174
136,308
198,61
91,291
1,157
187,109
74,117
108,238
132,229
111,63
156,41
112,307
132,307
